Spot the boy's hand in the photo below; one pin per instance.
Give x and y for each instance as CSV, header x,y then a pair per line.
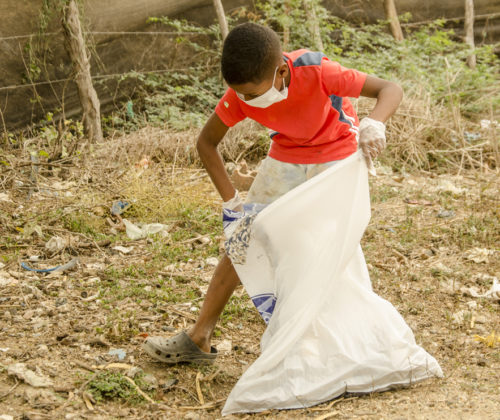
x,y
234,204
371,140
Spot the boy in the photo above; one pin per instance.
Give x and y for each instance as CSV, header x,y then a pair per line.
x,y
302,96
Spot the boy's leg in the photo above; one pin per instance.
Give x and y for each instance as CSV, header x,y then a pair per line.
x,y
274,179
221,287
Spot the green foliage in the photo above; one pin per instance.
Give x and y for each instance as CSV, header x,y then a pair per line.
x,y
108,385
430,58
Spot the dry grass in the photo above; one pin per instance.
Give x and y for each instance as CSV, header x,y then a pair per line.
x,y
246,140
417,260
424,135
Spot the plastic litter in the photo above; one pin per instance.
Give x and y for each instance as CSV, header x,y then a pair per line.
x,y
68,266
328,333
22,372
119,207
120,353
123,249
55,244
135,232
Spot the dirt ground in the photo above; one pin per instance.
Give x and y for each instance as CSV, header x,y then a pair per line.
x,y
432,247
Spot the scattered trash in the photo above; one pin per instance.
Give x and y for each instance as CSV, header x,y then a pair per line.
x,y
4,349
225,347
6,417
461,316
6,279
471,137
445,214
494,291
119,207
123,249
479,255
56,244
447,186
22,372
419,202
118,352
388,229
68,266
486,124
5,197
491,341
135,232
144,163
89,298
212,261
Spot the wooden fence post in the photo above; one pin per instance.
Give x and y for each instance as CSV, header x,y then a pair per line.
x,y
286,24
219,9
469,31
75,46
392,16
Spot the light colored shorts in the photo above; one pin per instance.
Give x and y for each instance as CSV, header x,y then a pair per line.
x,y
275,178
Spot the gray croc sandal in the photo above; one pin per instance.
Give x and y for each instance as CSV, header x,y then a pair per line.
x,y
176,349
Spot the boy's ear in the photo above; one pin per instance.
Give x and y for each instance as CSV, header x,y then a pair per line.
x,y
283,70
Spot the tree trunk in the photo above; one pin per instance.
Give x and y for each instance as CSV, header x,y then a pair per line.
x,y
469,31
286,25
75,46
310,8
392,16
219,9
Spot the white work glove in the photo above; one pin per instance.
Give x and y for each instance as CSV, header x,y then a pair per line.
x,y
371,140
232,213
234,204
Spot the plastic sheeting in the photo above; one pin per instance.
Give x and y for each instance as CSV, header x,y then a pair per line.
x,y
328,333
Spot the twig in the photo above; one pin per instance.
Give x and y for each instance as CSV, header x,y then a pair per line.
x,y
139,390
10,390
198,388
329,406
202,407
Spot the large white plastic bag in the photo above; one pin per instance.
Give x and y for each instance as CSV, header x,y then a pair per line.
x,y
328,332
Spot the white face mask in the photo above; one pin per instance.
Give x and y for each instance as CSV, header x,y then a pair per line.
x,y
268,98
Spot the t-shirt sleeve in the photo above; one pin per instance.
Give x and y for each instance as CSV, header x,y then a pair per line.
x,y
228,109
341,81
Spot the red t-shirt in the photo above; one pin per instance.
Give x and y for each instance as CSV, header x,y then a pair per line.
x,y
316,123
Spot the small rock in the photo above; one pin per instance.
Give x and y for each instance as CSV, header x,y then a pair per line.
x,y
39,396
212,261
472,305
191,415
480,319
6,417
445,214
169,383
22,372
133,372
42,350
150,380
225,346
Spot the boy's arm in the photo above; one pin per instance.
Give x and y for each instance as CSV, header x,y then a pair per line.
x,y
388,94
372,128
210,136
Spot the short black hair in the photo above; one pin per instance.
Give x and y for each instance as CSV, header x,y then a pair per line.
x,y
250,53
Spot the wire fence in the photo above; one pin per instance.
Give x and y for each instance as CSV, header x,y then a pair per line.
x,y
169,33
101,76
